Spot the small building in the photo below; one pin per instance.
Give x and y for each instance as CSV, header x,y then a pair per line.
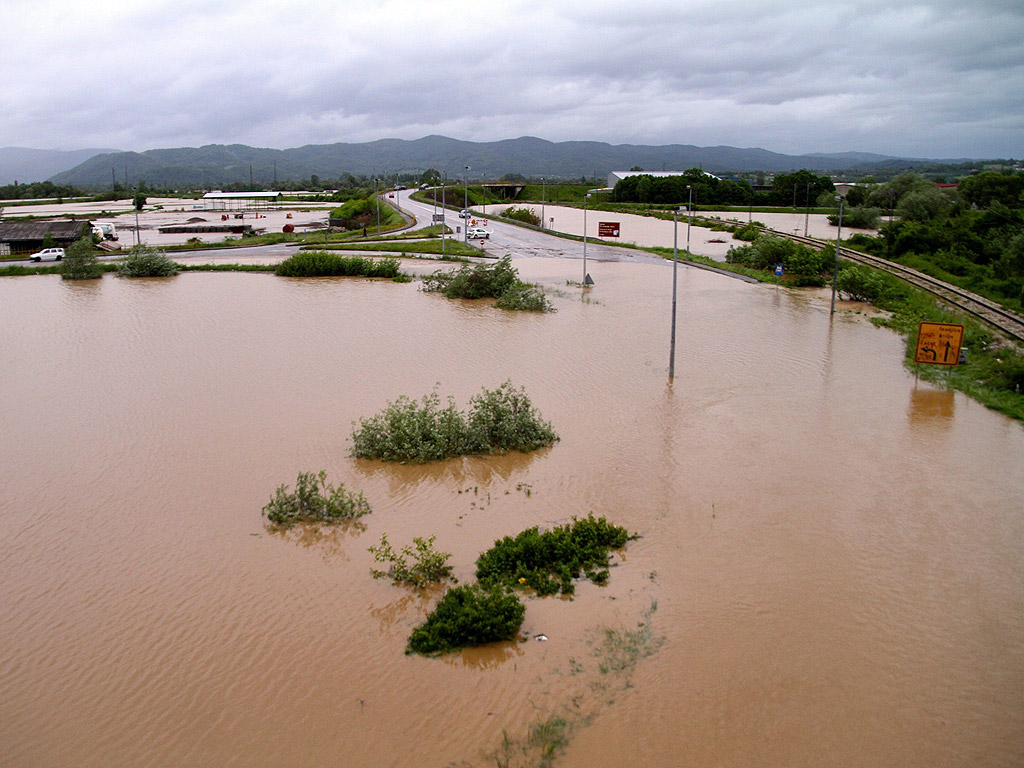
x,y
28,236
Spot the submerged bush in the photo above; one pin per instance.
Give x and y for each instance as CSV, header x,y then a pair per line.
x,y
326,264
524,215
143,261
428,565
485,281
504,419
80,262
314,500
549,561
409,431
469,615
499,420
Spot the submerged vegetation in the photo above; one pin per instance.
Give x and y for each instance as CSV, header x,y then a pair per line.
x,y
80,262
324,264
489,610
484,281
498,421
549,561
428,565
144,261
314,500
474,614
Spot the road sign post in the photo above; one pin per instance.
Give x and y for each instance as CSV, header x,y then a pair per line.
x,y
938,343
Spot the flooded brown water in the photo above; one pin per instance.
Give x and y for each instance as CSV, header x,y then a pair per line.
x,y
829,570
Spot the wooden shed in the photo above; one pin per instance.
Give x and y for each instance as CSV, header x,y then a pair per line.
x,y
28,236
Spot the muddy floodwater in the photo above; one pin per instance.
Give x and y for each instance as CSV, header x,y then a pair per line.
x,y
829,567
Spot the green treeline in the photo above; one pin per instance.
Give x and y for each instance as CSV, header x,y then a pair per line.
x,y
972,237
799,189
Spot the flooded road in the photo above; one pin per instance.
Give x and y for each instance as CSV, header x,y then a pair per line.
x,y
829,568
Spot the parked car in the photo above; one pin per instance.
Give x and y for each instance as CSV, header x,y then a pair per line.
x,y
56,254
478,233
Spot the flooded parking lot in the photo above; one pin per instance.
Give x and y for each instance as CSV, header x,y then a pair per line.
x,y
828,567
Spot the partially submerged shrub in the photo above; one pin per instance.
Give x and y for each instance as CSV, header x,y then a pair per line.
x,y
409,431
499,421
80,262
143,261
549,561
428,565
524,297
486,281
314,500
469,615
524,215
504,419
326,264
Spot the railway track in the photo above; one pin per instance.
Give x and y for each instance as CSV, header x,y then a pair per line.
x,y
988,311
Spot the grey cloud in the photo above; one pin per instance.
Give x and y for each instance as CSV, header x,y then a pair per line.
x,y
791,76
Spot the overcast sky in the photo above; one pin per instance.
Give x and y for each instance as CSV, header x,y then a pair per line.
x,y
937,78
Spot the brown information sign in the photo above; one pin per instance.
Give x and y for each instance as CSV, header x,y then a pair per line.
x,y
607,229
939,343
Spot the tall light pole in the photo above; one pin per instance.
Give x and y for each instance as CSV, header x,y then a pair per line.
x,y
585,275
543,190
839,237
675,259
465,222
444,225
689,220
377,198
807,215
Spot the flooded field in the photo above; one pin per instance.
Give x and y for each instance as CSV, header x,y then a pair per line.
x,y
829,568
647,231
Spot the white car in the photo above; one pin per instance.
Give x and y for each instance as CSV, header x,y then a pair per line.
x,y
478,233
463,214
56,254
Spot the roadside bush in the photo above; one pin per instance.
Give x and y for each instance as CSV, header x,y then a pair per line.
x,y
428,565
80,262
326,264
143,261
747,232
499,421
482,281
524,215
314,500
861,283
469,615
549,561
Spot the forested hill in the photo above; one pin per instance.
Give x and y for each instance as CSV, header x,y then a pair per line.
x,y
219,164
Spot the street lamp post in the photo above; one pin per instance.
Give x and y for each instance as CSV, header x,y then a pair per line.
x,y
444,225
675,259
807,215
543,191
585,198
689,220
839,237
377,198
465,222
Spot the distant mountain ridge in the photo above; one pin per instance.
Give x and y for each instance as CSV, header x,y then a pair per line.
x,y
222,164
27,165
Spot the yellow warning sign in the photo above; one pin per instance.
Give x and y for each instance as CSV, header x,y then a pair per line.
x,y
939,343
